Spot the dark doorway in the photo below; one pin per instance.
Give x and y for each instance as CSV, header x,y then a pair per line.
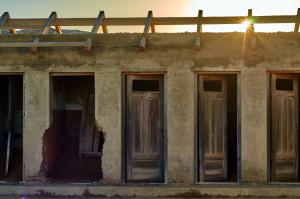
x,y
11,128
73,144
218,128
144,124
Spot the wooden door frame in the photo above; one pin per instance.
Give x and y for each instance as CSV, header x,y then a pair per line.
x,y
269,122
123,125
197,128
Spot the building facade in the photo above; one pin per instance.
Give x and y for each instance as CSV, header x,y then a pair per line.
x,y
173,120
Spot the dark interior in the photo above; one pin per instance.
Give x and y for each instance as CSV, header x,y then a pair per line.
x,y
11,128
284,84
73,145
232,127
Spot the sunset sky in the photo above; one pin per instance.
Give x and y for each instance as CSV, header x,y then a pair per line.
x,y
162,8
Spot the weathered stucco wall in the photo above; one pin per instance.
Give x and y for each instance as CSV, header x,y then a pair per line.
x,y
173,55
36,118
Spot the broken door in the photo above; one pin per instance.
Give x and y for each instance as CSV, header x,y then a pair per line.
x,y
284,127
144,128
212,120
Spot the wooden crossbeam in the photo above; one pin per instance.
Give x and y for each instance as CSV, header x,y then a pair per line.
x,y
43,44
199,30
37,23
4,19
98,22
296,28
147,27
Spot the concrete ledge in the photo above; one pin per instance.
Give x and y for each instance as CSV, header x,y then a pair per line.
x,y
219,191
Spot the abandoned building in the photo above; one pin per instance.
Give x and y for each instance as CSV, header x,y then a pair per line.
x,y
149,114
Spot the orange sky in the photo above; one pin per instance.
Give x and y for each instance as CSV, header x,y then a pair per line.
x,y
163,8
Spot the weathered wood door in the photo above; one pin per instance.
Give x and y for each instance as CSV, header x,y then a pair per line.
x,y
212,120
284,127
144,128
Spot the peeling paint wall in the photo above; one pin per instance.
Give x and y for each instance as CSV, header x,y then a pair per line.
x,y
173,55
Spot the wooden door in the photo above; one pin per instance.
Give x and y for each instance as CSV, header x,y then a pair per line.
x,y
144,128
212,120
284,127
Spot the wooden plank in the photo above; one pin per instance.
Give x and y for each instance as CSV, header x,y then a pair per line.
x,y
199,24
213,120
148,22
96,141
98,22
250,19
58,29
10,123
199,30
284,133
296,28
104,29
44,30
87,129
144,130
146,29
44,44
39,22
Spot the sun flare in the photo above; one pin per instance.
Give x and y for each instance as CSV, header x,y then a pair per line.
x,y
246,24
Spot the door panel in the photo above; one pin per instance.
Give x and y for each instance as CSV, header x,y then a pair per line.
x,y
284,127
213,133
144,128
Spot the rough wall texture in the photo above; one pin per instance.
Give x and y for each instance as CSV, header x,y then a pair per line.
x,y
173,55
36,120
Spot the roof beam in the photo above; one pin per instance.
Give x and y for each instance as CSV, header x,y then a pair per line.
x,y
250,29
250,21
49,23
37,23
98,23
4,19
296,28
147,27
199,30
43,44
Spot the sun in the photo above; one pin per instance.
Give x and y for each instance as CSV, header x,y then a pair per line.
x,y
246,24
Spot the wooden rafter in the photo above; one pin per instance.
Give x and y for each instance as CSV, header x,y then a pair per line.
x,y
199,23
147,28
49,23
250,29
4,19
148,22
199,30
45,29
250,21
98,22
296,29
